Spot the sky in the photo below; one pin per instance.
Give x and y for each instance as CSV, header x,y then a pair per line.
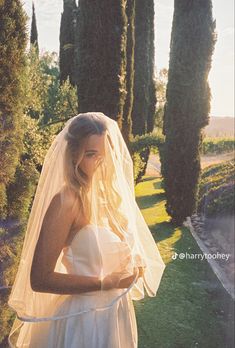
x,y
221,76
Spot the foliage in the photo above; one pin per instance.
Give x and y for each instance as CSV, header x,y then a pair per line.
x,y
152,83
187,107
216,190
161,83
130,49
60,102
21,191
35,84
61,105
40,82
101,37
138,145
10,249
138,165
13,39
145,95
67,42
34,31
140,142
44,97
36,141
144,99
217,145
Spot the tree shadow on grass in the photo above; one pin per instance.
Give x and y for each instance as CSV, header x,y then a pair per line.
x,y
148,178
148,201
161,231
158,185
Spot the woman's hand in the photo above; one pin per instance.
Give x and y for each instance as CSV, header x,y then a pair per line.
x,y
112,280
116,280
126,282
121,279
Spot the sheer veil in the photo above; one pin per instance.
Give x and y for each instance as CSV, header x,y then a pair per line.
x,y
110,199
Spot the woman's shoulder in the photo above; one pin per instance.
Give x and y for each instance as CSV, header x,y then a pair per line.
x,y
68,197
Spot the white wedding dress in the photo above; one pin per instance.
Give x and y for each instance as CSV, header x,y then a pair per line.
x,y
114,327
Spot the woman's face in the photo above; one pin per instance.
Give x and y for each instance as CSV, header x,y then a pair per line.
x,y
93,153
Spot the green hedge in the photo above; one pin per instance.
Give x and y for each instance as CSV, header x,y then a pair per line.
x,y
141,142
217,145
10,250
216,190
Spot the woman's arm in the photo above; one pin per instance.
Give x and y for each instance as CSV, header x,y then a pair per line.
x,y
54,232
58,283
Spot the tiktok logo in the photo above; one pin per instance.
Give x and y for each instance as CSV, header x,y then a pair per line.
x,y
174,256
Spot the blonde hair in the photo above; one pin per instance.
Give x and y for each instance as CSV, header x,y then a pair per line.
x,y
75,179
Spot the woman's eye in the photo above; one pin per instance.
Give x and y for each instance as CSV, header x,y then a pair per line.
x,y
90,155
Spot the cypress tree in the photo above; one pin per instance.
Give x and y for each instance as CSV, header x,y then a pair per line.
x,y
130,50
141,67
101,57
152,93
13,40
187,104
67,48
34,32
144,106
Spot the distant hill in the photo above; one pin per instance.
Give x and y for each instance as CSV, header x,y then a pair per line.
x,y
220,127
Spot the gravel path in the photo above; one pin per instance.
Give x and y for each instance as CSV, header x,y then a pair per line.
x,y
154,165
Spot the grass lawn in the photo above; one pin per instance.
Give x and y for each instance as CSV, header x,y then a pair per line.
x,y
191,308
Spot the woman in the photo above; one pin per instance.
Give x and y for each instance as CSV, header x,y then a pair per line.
x,y
87,251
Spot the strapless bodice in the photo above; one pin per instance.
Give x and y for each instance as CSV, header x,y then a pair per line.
x,y
94,251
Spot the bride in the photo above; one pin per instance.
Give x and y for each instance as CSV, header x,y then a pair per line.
x,y
87,253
